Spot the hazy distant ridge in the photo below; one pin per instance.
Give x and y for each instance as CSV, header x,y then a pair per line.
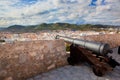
x,y
54,26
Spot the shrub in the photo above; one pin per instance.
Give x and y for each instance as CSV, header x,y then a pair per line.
x,y
67,47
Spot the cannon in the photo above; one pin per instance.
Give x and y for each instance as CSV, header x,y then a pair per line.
x,y
94,53
119,50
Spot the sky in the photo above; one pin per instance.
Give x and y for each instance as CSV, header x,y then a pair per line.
x,y
33,12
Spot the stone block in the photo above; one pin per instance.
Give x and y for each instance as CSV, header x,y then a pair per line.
x,y
21,60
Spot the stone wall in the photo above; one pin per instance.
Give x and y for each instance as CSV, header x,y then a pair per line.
x,y
112,39
20,60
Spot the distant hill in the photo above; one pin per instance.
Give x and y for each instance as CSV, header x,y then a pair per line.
x,y
15,28
55,26
1,28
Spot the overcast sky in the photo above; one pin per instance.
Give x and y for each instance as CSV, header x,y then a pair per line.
x,y
32,12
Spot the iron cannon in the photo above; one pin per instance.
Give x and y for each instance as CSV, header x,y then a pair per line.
x,y
94,53
97,47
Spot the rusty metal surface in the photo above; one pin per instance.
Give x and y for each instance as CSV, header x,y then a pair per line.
x,y
99,65
95,61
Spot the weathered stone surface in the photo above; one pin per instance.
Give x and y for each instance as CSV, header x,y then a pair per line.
x,y
20,60
79,72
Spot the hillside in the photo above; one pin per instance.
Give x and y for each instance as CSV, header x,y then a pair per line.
x,y
15,28
55,26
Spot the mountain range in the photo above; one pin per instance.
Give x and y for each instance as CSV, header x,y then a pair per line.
x,y
54,26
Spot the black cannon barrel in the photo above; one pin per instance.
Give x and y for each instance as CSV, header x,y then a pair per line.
x,y
97,47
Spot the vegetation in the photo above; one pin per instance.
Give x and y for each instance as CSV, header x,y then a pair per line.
x,y
67,47
56,26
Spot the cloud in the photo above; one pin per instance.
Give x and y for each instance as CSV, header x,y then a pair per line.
x,y
31,12
105,14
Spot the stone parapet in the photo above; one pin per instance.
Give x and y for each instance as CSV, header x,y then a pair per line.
x,y
20,60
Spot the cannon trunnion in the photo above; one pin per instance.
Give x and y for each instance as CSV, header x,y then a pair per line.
x,y
93,53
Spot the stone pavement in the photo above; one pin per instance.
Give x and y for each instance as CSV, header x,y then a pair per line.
x,y
81,72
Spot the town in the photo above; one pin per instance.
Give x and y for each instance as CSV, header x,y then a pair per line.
x,y
10,37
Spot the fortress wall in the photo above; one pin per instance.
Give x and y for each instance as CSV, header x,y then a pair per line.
x,y
20,60
112,39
